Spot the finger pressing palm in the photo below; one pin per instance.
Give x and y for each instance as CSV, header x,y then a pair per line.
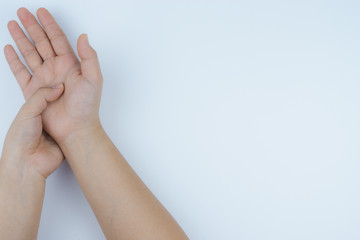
x,y
51,61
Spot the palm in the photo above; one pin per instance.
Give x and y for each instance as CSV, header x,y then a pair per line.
x,y
63,116
60,116
52,71
53,61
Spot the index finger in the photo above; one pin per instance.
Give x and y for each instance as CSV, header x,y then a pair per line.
x,y
57,37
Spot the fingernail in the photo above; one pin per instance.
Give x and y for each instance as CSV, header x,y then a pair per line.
x,y
87,39
60,85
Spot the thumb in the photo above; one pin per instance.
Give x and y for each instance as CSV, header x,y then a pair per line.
x,y
90,66
40,99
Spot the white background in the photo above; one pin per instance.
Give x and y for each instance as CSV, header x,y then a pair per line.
x,y
242,117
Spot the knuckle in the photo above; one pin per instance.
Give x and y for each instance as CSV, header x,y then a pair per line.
x,y
54,32
18,70
28,52
93,54
40,40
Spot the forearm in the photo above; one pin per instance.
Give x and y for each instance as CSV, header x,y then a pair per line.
x,y
121,202
21,198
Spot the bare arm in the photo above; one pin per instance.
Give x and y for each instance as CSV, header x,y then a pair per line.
x,y
123,205
21,199
28,158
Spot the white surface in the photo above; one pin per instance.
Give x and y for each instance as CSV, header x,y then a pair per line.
x,y
243,118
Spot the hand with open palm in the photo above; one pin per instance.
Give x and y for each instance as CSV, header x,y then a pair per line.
x,y
51,61
70,115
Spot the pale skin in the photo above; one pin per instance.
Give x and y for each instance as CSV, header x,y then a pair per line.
x,y
63,94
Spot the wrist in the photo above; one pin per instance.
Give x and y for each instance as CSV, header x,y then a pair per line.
x,y
21,196
81,135
15,172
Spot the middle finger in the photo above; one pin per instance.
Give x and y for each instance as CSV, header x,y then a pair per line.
x,y
27,49
36,33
